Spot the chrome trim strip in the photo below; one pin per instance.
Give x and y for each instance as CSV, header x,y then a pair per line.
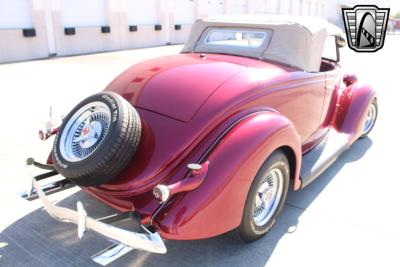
x,y
228,129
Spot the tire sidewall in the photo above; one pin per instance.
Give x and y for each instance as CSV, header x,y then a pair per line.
x,y
115,105
375,103
248,230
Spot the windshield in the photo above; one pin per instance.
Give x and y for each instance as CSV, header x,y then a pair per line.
x,y
329,52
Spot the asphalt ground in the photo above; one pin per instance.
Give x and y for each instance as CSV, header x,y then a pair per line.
x,y
349,216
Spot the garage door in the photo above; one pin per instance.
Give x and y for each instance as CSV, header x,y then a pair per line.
x,y
272,6
15,14
79,13
239,7
308,10
285,7
296,7
261,6
322,10
143,12
184,11
316,10
216,7
312,10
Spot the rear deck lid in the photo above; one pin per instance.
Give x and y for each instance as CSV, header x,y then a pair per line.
x,y
178,87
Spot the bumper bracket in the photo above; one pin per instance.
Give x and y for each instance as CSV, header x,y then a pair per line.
x,y
124,240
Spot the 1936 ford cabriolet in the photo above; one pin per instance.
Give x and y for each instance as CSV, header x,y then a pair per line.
x,y
205,142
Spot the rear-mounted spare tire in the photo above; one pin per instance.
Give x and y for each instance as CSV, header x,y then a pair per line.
x,y
97,139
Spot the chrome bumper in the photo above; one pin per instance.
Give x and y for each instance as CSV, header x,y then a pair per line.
x,y
151,242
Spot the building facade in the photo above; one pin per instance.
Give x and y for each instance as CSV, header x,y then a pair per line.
x,y
31,29
335,8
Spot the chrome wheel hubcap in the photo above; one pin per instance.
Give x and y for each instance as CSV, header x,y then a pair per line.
x,y
85,131
268,197
371,117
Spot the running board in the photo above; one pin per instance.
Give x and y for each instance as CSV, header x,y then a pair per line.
x,y
316,161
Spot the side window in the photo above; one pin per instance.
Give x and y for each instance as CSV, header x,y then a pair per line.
x,y
329,51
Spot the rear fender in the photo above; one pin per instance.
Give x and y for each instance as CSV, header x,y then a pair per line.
x,y
352,109
216,206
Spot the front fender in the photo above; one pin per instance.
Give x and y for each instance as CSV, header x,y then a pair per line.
x,y
216,206
352,109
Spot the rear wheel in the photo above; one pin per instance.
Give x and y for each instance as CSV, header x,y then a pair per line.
x,y
372,115
265,199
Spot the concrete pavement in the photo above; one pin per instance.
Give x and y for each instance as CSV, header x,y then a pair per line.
x,y
348,216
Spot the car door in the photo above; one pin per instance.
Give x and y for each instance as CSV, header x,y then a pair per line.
x,y
301,100
304,105
330,66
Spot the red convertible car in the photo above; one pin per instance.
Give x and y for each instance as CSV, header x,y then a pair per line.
x,y
205,142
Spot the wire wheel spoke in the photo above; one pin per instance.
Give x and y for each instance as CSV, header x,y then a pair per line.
x,y
85,131
268,197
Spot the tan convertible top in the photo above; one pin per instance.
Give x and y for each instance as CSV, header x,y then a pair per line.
x,y
296,41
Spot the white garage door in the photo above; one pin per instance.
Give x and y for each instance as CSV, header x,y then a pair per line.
x,y
184,11
261,6
79,13
272,6
296,7
322,10
316,10
285,7
143,12
308,10
312,9
216,7
239,7
15,14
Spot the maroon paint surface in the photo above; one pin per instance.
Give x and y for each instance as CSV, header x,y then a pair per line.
x,y
251,107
